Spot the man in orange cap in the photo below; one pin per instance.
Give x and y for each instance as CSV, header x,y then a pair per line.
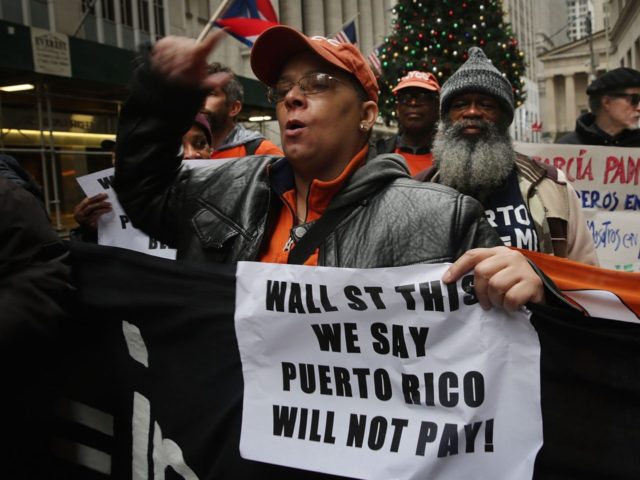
x,y
417,100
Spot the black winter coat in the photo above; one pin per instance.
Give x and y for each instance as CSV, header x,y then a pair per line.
x,y
586,133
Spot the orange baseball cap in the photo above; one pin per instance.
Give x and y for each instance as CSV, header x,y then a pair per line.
x,y
418,79
278,44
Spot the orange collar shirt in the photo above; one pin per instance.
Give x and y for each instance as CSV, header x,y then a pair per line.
x,y
417,158
288,228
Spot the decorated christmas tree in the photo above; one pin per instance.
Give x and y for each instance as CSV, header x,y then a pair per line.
x,y
434,36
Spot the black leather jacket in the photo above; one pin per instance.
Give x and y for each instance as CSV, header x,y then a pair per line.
x,y
226,213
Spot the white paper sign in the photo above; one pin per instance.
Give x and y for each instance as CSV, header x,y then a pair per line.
x,y
617,238
384,374
51,54
607,180
114,228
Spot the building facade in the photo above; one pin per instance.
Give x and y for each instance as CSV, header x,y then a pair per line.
x,y
78,56
521,15
580,15
567,70
623,27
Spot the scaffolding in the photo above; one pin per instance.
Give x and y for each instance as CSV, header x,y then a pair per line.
x,y
49,144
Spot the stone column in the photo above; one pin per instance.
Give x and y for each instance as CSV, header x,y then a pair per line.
x,y
291,13
333,17
569,102
378,24
549,118
313,17
350,10
365,24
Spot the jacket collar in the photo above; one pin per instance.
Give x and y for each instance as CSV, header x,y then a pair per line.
x,y
377,171
591,134
238,136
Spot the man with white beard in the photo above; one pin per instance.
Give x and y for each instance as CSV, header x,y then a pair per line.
x,y
530,204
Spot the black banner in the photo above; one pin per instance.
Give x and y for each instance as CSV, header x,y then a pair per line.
x,y
183,400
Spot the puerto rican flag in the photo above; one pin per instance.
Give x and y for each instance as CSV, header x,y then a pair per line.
x,y
246,19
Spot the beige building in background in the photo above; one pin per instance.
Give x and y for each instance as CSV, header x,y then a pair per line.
x,y
313,17
623,25
55,129
520,14
567,70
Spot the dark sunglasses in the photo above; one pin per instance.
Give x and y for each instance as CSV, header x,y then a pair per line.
x,y
634,98
421,98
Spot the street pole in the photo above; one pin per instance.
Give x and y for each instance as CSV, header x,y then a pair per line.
x,y
588,25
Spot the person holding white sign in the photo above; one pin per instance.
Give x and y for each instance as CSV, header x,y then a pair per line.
x,y
530,204
328,202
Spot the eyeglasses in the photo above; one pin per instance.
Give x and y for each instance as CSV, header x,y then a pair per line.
x,y
634,98
309,85
421,98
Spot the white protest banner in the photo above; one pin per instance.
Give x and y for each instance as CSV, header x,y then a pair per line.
x,y
114,228
384,374
607,181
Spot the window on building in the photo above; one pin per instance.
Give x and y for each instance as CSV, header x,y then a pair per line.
x,y
109,34
89,25
39,13
158,17
126,19
108,10
126,13
143,15
11,11
89,5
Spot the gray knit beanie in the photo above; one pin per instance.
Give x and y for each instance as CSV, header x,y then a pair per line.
x,y
477,75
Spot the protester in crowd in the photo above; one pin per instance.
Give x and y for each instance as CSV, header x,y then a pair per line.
x,y
197,141
326,202
196,144
530,204
417,113
35,292
11,169
222,106
90,209
108,145
614,119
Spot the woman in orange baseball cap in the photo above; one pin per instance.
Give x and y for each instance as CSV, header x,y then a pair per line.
x,y
329,201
